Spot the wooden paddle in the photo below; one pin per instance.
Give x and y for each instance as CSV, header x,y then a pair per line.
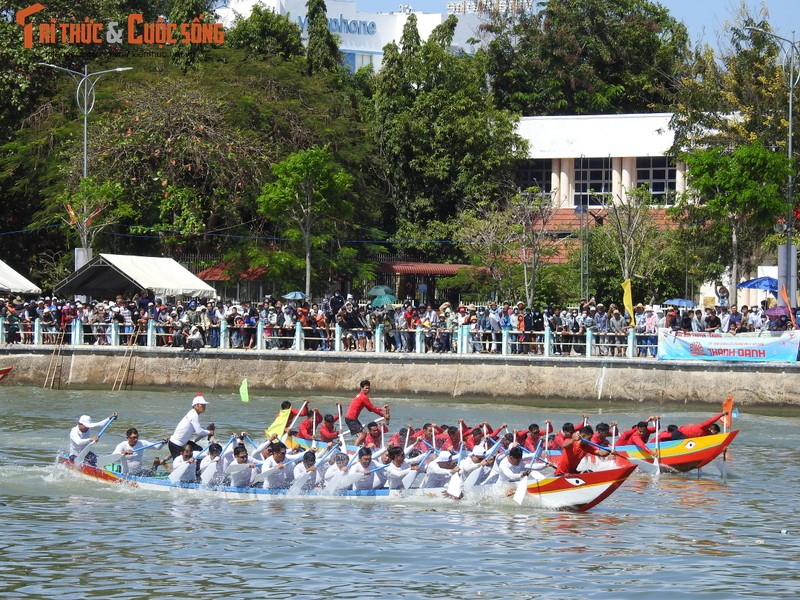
x,y
177,473
208,472
285,435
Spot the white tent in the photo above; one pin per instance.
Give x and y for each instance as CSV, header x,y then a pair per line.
x,y
109,274
14,283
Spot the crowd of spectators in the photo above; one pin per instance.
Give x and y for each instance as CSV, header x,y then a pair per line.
x,y
404,327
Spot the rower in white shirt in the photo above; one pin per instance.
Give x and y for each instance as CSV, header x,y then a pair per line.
x,y
510,467
131,451
189,426
280,474
79,436
240,477
440,471
189,475
363,466
307,466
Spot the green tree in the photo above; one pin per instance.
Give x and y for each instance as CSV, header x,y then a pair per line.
x,y
586,57
265,34
444,146
322,55
738,188
307,196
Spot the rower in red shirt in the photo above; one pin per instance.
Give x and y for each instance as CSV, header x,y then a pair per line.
x,y
602,432
371,437
359,403
574,449
707,427
327,431
531,437
306,429
638,436
566,434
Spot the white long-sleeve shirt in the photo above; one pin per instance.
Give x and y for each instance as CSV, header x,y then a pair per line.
x,y
507,472
280,478
369,481
188,426
131,463
437,476
78,440
190,474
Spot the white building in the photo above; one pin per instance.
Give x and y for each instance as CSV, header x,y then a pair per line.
x,y
361,35
593,159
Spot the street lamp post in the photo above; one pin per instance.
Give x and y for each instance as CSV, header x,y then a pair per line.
x,y
85,97
790,50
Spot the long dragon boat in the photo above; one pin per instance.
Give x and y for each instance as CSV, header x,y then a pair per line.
x,y
682,455
576,493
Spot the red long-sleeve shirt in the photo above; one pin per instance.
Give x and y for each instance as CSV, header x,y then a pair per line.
x,y
700,429
359,403
327,432
572,452
632,437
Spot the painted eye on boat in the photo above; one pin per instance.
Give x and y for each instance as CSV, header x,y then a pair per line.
x,y
690,445
576,481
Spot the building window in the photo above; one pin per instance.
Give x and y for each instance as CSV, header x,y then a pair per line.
x,y
592,181
658,173
535,173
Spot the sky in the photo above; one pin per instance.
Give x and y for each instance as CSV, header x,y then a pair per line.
x,y
703,18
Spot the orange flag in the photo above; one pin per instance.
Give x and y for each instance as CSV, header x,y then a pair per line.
x,y
727,407
788,304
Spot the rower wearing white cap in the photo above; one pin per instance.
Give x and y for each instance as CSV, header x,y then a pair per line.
x,y
439,472
189,426
79,436
476,459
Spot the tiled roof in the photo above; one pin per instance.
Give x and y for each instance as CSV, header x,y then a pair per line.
x,y
219,272
419,268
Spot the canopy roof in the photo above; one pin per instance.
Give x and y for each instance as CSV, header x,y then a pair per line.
x,y
13,282
110,274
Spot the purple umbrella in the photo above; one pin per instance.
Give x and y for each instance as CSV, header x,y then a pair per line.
x,y
777,311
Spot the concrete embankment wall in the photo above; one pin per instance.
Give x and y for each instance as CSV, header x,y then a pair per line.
x,y
526,380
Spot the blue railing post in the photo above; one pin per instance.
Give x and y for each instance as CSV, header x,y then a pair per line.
x,y
548,341
379,338
224,335
114,333
299,337
151,333
259,334
37,332
337,340
589,342
631,352
505,338
420,340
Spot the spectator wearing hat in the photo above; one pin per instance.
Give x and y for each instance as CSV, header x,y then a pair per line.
x,y
651,332
188,426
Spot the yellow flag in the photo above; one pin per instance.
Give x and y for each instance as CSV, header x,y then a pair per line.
x,y
279,424
627,300
244,394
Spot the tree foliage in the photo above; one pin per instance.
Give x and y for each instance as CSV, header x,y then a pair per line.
x,y
265,34
586,57
444,145
738,188
322,55
308,198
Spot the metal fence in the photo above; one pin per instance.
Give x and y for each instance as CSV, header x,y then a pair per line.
x,y
463,339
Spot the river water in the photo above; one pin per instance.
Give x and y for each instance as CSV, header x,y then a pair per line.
x,y
682,535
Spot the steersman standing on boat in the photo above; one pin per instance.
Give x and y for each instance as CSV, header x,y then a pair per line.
x,y
189,426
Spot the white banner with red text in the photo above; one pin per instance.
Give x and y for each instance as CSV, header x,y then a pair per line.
x,y
746,347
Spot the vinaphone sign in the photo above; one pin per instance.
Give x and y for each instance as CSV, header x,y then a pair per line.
x,y
133,31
